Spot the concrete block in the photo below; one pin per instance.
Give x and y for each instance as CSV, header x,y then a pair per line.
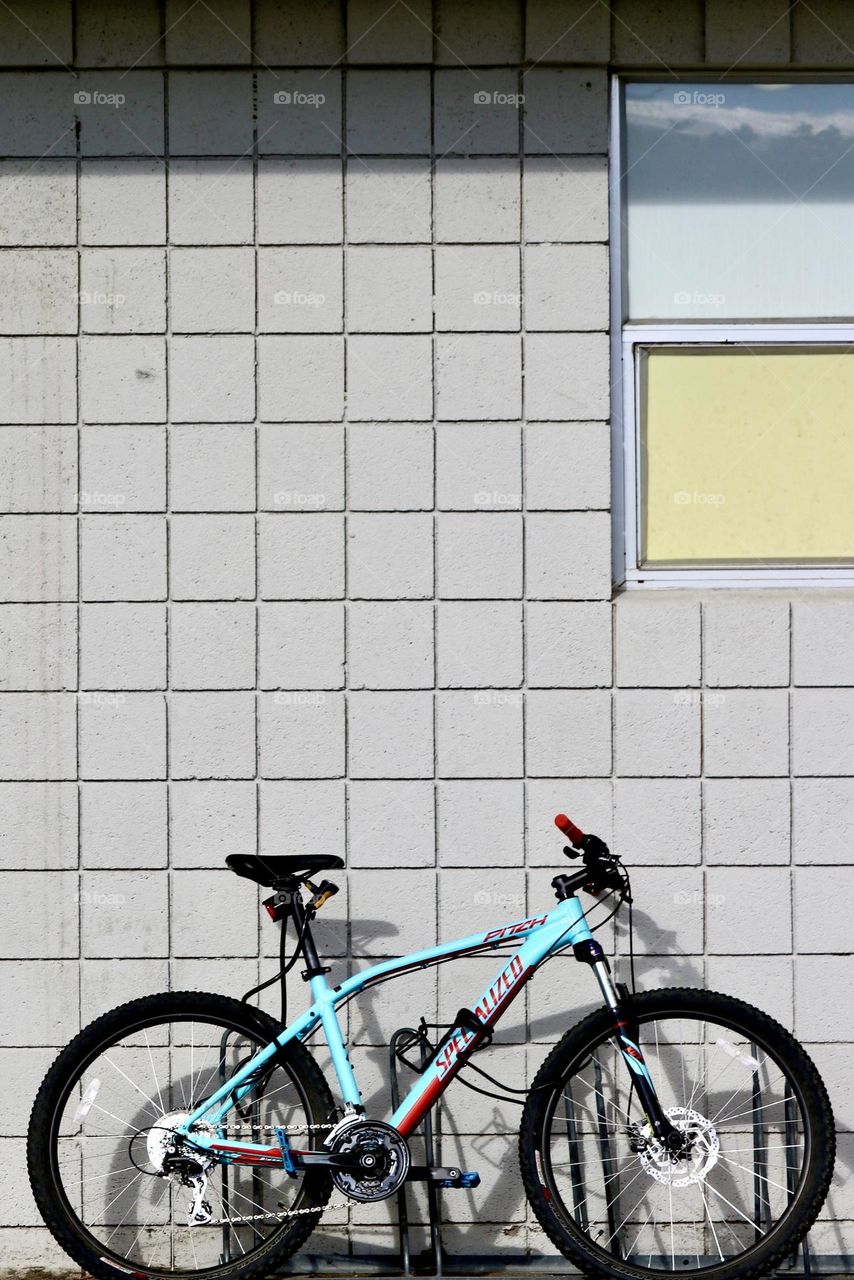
x,y
42,39
815,975
389,289
210,201
122,202
123,646
746,820
124,914
301,735
299,112
475,32
390,735
38,469
746,640
477,287
40,1002
123,824
38,915
566,376
123,379
733,895
477,200
568,556
569,644
480,556
119,113
107,983
110,35
210,113
192,935
479,734
210,820
40,202
822,819
568,733
38,825
38,119
212,645
390,466
390,556
823,34
122,468
294,34
478,466
388,201
212,290
192,37
123,291
821,909
658,639
746,733
657,734
391,823
389,644
301,377
481,823
476,113
38,558
478,376
565,111
480,644
212,735
567,466
38,291
301,645
823,732
758,34
302,817
647,32
821,641
301,557
212,468
37,736
673,836
38,644
300,290
37,380
28,1067
670,922
212,378
383,931
376,33
300,200
566,286
300,467
743,976
567,31
122,736
388,112
390,377
212,557
565,199
123,557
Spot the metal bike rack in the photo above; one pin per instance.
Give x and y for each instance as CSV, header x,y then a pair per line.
x,y
434,1258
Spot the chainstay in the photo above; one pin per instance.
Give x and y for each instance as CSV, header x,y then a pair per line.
x,y
238,1130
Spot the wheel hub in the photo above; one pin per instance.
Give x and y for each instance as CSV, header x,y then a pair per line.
x,y
698,1158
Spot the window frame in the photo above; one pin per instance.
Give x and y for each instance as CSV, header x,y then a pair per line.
x,y
627,338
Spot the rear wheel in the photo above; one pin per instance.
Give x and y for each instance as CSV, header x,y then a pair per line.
x,y
104,1111
759,1159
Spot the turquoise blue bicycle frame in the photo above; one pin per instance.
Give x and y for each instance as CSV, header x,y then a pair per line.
x,y
539,936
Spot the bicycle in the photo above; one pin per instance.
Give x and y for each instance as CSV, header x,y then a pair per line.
x,y
190,1134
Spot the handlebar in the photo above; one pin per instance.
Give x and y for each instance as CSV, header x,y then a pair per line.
x,y
601,867
573,833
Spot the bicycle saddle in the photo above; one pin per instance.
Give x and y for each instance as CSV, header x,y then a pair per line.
x,y
280,869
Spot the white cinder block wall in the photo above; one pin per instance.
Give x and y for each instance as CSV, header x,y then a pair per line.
x,y
306,541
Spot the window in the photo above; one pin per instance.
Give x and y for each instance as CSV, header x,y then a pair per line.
x,y
733,233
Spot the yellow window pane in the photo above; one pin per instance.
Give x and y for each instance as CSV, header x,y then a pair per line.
x,y
747,455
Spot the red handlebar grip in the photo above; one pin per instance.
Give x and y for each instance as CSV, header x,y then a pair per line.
x,y
573,833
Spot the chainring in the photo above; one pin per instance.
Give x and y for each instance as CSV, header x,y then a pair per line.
x,y
383,1156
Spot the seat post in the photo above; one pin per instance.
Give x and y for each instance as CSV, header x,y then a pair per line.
x,y
302,924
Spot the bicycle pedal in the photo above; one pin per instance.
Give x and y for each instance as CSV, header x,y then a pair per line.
x,y
457,1179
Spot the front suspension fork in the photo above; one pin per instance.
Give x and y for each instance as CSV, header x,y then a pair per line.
x,y
618,1001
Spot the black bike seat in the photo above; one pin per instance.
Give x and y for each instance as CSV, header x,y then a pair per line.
x,y
280,868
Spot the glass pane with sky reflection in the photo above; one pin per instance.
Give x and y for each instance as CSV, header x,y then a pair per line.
x,y
740,201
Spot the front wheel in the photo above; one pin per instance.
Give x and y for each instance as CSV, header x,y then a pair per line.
x,y
758,1162
103,1119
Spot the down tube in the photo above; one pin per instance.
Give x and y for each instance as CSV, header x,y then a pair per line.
x,y
566,924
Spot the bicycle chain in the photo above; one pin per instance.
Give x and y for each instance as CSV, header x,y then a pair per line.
x,y
243,1130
